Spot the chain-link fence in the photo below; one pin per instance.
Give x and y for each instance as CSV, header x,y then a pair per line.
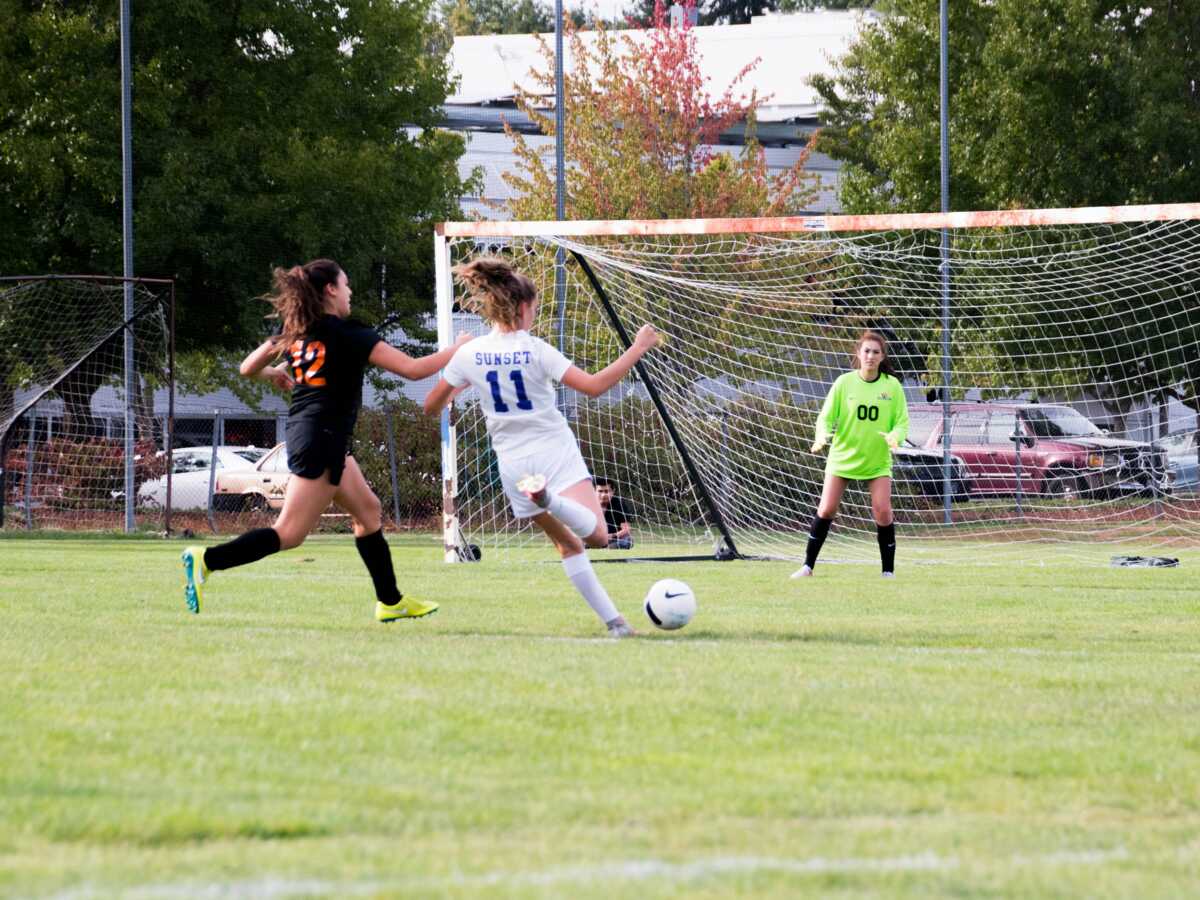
x,y
229,471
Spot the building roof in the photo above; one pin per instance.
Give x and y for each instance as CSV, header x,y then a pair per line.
x,y
790,48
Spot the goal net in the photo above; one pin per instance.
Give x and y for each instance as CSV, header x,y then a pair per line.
x,y
63,400
1048,359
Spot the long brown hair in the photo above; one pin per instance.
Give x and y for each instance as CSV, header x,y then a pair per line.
x,y
495,290
298,295
885,364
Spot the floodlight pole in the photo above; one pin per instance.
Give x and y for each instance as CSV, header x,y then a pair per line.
x,y
944,86
127,248
560,197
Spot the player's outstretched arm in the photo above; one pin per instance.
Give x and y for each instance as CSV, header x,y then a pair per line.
x,y
260,357
441,395
596,384
414,368
257,365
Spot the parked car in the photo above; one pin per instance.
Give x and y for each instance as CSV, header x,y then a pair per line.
x,y
924,467
260,487
1181,457
190,475
1037,448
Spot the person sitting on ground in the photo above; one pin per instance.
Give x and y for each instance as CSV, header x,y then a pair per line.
x,y
616,516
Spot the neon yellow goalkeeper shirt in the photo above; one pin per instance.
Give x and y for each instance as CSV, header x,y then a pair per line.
x,y
851,419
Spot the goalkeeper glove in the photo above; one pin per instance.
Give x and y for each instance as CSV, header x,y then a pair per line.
x,y
818,445
890,438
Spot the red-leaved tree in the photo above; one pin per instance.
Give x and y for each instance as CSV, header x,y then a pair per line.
x,y
641,127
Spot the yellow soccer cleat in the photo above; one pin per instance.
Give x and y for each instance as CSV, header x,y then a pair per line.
x,y
405,609
194,574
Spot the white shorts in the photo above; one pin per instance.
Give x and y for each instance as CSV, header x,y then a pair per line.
x,y
561,463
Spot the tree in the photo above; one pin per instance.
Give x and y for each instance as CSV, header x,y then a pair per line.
x,y
739,12
469,17
641,128
265,134
733,12
466,17
639,143
1066,103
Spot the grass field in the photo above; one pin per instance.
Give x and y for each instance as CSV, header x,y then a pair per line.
x,y
963,730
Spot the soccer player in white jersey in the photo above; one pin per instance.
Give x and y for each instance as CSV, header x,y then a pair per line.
x,y
542,471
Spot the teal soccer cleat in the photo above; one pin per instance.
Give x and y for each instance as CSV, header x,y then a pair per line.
x,y
194,574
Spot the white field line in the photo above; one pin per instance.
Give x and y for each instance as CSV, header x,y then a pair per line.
x,y
270,888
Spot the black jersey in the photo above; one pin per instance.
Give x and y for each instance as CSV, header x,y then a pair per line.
x,y
328,365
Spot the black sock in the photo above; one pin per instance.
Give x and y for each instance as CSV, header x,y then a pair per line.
x,y
816,539
886,535
374,551
251,546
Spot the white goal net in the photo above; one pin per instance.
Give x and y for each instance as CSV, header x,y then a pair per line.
x,y
1066,381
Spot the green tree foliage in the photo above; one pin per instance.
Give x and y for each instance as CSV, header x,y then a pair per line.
x,y
265,134
1062,103
466,17
469,17
733,12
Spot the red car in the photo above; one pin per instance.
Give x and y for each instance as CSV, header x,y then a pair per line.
x,y
1036,448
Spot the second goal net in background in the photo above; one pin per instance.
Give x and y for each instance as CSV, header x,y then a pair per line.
x,y
1050,368
63,404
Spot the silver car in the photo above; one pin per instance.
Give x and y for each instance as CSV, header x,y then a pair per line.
x,y
190,469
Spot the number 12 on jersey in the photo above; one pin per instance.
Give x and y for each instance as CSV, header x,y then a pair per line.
x,y
493,380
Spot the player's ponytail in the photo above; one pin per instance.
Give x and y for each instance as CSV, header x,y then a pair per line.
x,y
495,290
298,295
885,364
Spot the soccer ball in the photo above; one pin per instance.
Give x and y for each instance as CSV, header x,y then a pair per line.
x,y
670,604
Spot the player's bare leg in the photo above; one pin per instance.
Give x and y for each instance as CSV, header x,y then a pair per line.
x,y
831,497
303,503
578,569
584,494
584,519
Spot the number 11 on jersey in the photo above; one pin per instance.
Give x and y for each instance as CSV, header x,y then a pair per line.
x,y
493,380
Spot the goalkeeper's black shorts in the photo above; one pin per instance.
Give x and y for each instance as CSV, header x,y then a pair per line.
x,y
313,448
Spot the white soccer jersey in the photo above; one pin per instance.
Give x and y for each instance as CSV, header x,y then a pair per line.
x,y
515,374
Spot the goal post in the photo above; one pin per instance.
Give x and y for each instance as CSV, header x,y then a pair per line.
x,y
1077,330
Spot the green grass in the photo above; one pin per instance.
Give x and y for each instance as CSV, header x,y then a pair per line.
x,y
966,731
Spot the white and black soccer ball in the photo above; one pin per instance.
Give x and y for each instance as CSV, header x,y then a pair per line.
x,y
670,604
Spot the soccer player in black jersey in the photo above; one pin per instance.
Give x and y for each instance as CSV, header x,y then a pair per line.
x,y
324,357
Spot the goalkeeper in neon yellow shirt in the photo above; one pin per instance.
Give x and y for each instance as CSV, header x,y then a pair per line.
x,y
864,418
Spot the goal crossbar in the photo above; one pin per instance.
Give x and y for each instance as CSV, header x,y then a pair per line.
x,y
1086,215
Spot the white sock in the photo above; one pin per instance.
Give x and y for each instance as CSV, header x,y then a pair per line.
x,y
576,516
583,576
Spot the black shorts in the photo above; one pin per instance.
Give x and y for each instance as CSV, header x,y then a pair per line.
x,y
313,448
